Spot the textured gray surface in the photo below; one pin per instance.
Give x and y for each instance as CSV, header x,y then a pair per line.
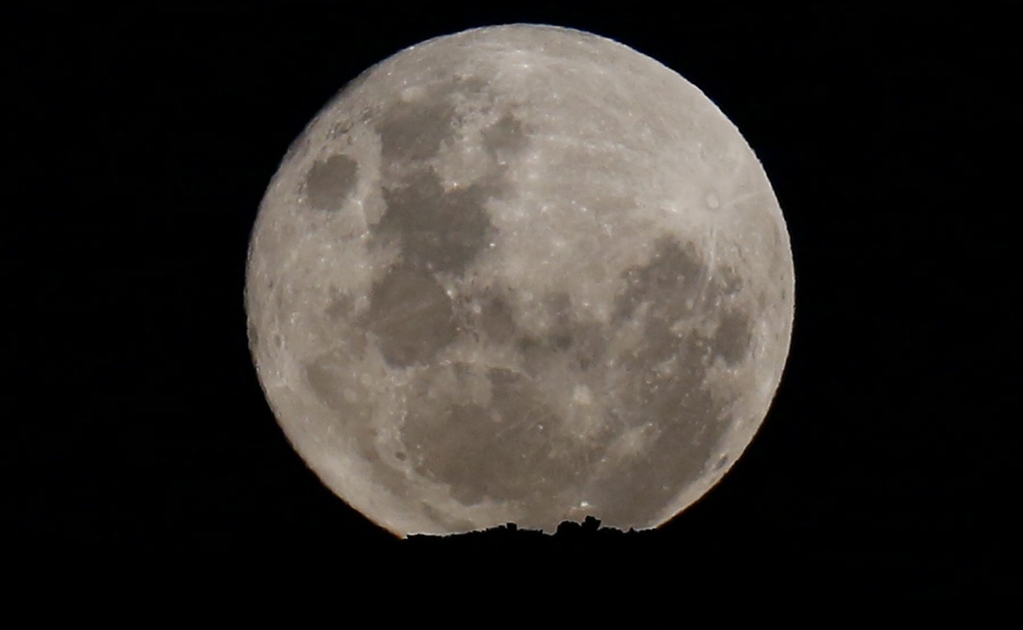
x,y
520,274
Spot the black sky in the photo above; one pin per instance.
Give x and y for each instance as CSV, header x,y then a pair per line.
x,y
143,140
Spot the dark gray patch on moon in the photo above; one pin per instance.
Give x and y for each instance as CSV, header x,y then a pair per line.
x,y
589,345
411,315
415,130
443,230
509,450
329,183
583,343
497,319
440,230
505,139
340,307
685,430
669,284
733,337
668,390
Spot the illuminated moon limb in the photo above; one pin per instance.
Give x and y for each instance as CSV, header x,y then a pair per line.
x,y
519,273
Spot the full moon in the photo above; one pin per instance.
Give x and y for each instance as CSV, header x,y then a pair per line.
x,y
519,274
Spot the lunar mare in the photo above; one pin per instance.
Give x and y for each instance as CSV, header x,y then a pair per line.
x,y
519,274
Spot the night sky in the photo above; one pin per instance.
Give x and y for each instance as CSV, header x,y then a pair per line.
x,y
142,142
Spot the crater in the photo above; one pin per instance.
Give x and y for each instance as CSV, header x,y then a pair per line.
x,y
329,183
441,230
412,316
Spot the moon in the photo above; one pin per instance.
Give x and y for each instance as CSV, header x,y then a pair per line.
x,y
519,274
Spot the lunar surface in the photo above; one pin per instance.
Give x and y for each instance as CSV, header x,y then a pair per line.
x,y
519,274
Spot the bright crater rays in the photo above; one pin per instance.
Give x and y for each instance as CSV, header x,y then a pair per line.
x,y
520,274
